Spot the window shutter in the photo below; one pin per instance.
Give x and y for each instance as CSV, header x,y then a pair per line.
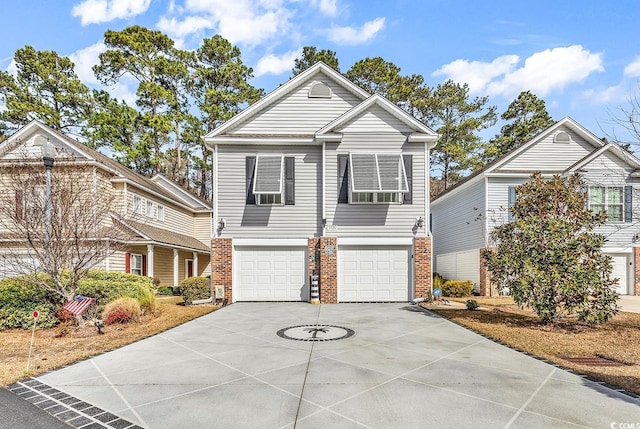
x,y
343,179
512,200
19,205
408,168
289,180
127,263
250,164
144,265
628,203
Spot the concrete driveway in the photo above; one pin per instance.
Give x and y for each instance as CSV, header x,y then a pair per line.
x,y
403,367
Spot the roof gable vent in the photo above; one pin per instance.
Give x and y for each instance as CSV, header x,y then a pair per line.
x,y
319,90
562,137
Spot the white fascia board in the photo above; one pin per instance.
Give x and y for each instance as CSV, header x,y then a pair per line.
x,y
424,138
458,189
371,241
617,150
329,137
239,140
617,249
298,242
519,175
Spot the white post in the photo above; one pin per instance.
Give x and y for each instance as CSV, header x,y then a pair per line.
x,y
195,264
176,266
150,260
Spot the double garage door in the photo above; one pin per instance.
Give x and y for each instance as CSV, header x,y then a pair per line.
x,y
365,273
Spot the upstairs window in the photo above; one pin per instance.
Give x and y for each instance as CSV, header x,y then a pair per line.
x,y
137,204
616,201
270,180
160,213
377,178
149,211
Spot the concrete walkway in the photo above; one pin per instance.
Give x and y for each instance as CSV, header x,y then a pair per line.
x,y
403,367
630,304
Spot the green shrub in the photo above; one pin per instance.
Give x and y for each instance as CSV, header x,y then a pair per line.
x,y
121,310
472,304
165,290
108,286
457,288
195,288
19,297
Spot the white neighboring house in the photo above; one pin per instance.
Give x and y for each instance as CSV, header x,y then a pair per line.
x,y
320,176
464,215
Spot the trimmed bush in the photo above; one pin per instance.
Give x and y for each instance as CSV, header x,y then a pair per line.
x,y
122,310
472,304
165,290
107,286
19,297
457,288
195,288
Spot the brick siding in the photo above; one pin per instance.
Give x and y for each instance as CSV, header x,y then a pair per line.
x,y
221,269
422,260
328,272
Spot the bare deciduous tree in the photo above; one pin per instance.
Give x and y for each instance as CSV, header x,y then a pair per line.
x,y
59,247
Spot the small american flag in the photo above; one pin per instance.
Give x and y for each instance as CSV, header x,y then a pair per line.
x,y
79,304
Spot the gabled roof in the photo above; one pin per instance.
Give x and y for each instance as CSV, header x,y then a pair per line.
x,y
567,122
147,233
423,133
119,170
286,88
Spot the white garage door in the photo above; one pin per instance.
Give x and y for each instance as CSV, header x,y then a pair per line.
x,y
271,274
621,272
373,274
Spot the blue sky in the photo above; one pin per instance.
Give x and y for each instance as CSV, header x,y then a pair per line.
x,y
581,57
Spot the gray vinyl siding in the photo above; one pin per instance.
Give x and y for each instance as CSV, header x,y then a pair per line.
x,y
460,266
458,221
375,120
609,170
374,220
546,155
498,204
276,221
295,113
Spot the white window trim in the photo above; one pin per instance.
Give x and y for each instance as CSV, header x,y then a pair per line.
x,y
132,257
149,203
137,204
398,201
160,213
606,201
255,178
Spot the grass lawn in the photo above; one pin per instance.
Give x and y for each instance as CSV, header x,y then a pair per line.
x,y
55,350
618,340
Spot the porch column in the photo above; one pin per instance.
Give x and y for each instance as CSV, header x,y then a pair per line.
x,y
195,264
176,265
150,260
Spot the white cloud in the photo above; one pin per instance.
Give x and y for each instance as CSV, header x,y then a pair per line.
x,y
543,72
98,11
276,64
327,7
356,36
611,94
633,69
477,74
84,59
189,25
249,22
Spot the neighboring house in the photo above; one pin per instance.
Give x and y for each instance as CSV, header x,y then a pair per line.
x,y
320,176
464,215
167,229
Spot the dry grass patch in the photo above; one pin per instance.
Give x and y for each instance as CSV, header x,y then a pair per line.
x,y
618,340
56,348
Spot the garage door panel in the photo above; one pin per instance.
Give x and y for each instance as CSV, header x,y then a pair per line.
x,y
271,274
370,273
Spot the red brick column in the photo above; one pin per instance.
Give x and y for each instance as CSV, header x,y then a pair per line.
x,y
636,271
486,288
314,259
422,251
328,271
221,269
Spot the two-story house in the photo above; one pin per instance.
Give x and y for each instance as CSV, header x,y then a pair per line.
x,y
464,215
321,177
167,229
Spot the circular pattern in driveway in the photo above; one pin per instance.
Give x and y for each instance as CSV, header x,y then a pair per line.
x,y
315,333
